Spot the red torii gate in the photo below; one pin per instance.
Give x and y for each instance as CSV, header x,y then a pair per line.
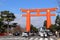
x,y
28,15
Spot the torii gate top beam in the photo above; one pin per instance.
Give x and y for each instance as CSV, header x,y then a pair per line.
x,y
41,10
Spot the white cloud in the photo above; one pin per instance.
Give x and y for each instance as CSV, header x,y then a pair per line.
x,y
36,21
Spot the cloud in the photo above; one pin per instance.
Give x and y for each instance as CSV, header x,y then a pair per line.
x,y
36,21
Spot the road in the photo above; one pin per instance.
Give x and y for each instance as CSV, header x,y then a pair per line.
x,y
28,38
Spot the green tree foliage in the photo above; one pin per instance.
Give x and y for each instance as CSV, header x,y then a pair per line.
x,y
45,24
53,27
1,24
56,26
1,27
57,22
14,24
33,29
7,17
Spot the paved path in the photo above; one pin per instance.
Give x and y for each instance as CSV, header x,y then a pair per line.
x,y
28,38
58,39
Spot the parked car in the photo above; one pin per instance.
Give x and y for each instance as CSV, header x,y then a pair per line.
x,y
42,34
16,33
49,33
10,34
24,34
32,34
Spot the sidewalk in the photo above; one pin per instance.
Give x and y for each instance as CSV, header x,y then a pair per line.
x,y
58,39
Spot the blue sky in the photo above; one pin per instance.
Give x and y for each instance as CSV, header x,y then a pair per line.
x,y
15,5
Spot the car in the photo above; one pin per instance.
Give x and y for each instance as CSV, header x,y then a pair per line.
x,y
24,34
45,34
49,33
42,34
10,34
32,34
16,33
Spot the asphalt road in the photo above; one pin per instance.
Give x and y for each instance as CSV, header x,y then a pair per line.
x,y
28,38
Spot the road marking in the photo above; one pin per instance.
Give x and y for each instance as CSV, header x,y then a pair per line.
x,y
23,38
31,38
46,39
36,39
51,39
41,39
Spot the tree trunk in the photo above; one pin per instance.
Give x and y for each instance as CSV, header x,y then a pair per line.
x,y
8,28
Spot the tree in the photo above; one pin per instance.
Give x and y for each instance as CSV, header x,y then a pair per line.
x,y
1,27
8,17
53,27
1,24
45,24
56,26
33,29
57,22
14,24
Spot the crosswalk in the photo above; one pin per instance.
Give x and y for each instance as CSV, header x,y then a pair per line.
x,y
41,38
30,38
38,38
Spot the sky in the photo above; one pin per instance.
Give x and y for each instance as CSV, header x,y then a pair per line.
x,y
14,6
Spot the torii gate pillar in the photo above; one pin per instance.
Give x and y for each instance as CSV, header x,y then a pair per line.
x,y
28,15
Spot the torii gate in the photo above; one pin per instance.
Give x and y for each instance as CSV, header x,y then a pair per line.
x,y
28,15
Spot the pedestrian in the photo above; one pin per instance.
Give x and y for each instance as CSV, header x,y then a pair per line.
x,y
56,33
